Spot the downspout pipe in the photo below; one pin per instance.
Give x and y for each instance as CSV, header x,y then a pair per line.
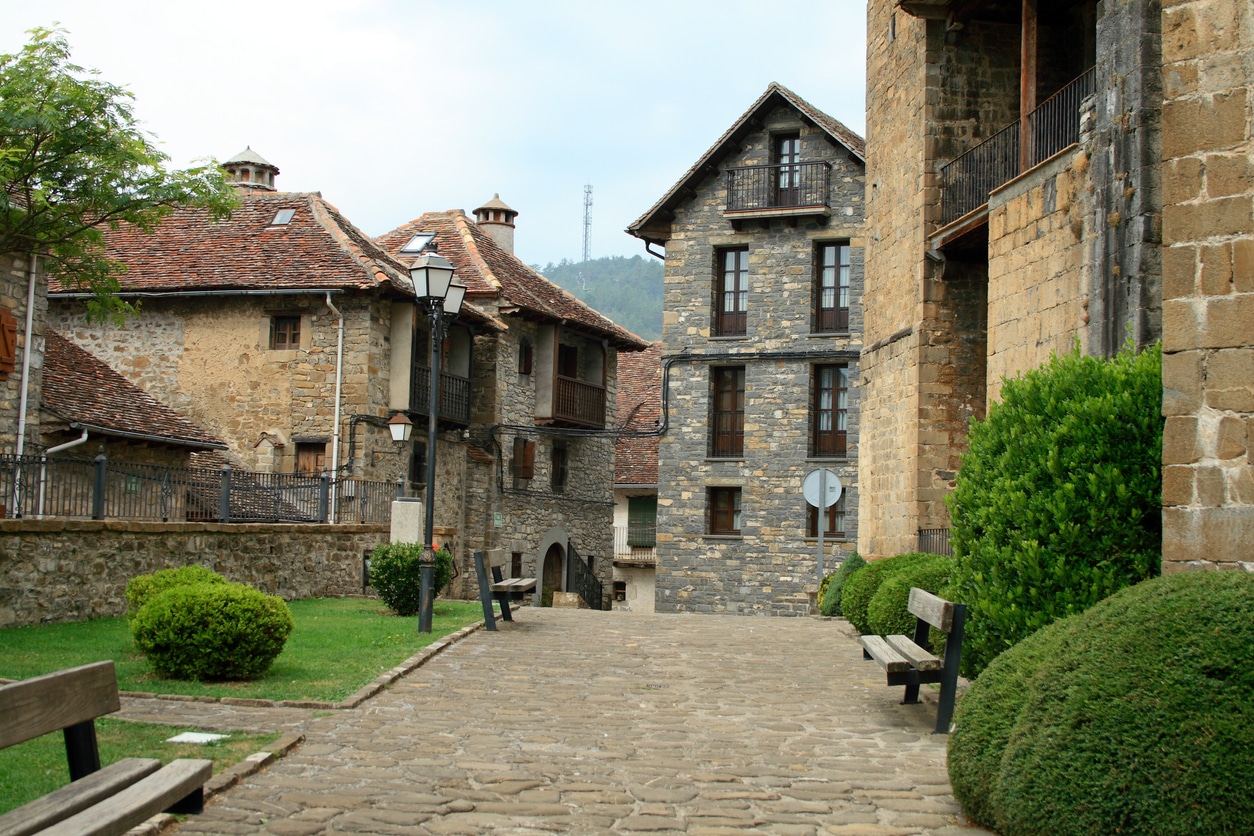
x,y
43,468
339,391
26,353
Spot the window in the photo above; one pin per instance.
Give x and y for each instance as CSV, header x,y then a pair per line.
x,y
526,356
417,244
283,217
418,464
568,361
561,456
732,292
829,410
524,464
788,157
727,440
311,457
641,522
835,516
724,510
831,288
284,333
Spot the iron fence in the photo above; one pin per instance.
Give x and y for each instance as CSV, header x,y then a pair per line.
x,y
777,186
98,489
454,395
581,579
579,402
935,541
1055,124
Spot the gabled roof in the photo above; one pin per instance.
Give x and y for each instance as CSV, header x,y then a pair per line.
x,y
316,249
748,123
87,394
640,410
490,272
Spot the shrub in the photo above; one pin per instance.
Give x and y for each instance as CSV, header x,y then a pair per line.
x,y
143,588
396,574
829,598
1057,503
862,585
888,612
1132,717
212,631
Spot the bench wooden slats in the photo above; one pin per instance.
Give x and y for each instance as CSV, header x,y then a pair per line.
x,y
934,610
79,795
138,802
44,704
919,657
514,585
888,658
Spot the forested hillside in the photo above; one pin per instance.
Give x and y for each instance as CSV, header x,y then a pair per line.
x,y
627,290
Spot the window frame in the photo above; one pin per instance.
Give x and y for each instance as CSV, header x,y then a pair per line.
x,y
727,412
786,151
836,516
829,418
834,318
560,455
733,322
724,511
290,334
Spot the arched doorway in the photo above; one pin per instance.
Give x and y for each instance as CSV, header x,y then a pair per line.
x,y
553,579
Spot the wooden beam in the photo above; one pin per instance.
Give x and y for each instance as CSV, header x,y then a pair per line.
x,y
49,703
1027,80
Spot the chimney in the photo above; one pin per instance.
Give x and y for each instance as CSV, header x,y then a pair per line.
x,y
497,219
248,171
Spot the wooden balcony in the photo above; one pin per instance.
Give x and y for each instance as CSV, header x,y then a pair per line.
x,y
454,396
578,403
767,191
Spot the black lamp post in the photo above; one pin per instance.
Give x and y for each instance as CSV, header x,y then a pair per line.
x,y
433,284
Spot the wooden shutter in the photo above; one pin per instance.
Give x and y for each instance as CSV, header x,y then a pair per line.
x,y
8,341
524,458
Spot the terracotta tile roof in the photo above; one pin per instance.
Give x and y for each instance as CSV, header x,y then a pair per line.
x,y
639,409
317,248
493,273
82,390
746,124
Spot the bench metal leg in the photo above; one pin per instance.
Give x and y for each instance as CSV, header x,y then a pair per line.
x,y
80,749
502,597
949,677
193,802
485,594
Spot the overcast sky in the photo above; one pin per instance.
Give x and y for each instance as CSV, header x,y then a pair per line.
x,y
394,108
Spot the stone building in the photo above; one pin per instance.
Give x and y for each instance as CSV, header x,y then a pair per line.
x,y
762,333
538,450
22,286
1015,201
1208,284
635,478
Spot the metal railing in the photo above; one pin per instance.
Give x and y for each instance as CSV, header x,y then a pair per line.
x,y
578,402
935,541
967,181
98,489
581,579
777,186
454,395
635,542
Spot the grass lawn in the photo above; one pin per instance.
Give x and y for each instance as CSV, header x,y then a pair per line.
x,y
339,645
37,767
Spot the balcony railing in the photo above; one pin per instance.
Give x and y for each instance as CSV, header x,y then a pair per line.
x,y
578,402
454,395
967,181
762,187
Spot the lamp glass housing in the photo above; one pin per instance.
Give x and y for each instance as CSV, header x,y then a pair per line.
x,y
453,301
432,275
400,427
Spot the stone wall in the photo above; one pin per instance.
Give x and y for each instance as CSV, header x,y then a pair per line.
x,y
1208,285
769,569
14,284
62,570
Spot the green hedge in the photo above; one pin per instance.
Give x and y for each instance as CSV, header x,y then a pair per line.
x,y
865,582
888,612
396,574
143,588
1058,500
212,631
831,592
1136,716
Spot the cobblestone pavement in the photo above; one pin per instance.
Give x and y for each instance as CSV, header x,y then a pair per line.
x,y
574,721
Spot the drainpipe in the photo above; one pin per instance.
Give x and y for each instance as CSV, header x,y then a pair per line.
x,y
339,382
30,323
43,468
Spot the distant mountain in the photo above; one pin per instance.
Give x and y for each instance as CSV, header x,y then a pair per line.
x,y
627,290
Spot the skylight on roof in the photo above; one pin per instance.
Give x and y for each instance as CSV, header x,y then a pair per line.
x,y
283,218
418,243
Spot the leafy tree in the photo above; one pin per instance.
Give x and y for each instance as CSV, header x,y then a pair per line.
x,y
627,290
73,163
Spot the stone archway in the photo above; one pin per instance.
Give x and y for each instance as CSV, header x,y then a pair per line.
x,y
553,577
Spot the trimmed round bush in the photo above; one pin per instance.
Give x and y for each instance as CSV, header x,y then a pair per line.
x,y
862,585
1058,499
1133,717
888,612
143,588
212,631
396,574
830,596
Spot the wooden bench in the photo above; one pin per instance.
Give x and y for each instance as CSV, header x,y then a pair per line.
x,y
97,802
908,662
501,588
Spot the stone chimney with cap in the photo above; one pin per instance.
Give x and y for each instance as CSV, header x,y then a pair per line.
x,y
497,219
248,171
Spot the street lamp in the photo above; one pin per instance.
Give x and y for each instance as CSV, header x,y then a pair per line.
x,y
436,291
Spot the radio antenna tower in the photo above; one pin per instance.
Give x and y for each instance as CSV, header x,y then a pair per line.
x,y
587,222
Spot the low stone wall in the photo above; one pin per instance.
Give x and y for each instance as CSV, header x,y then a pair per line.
x,y
67,570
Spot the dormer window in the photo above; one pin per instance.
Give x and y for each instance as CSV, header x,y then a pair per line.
x,y
418,243
283,217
